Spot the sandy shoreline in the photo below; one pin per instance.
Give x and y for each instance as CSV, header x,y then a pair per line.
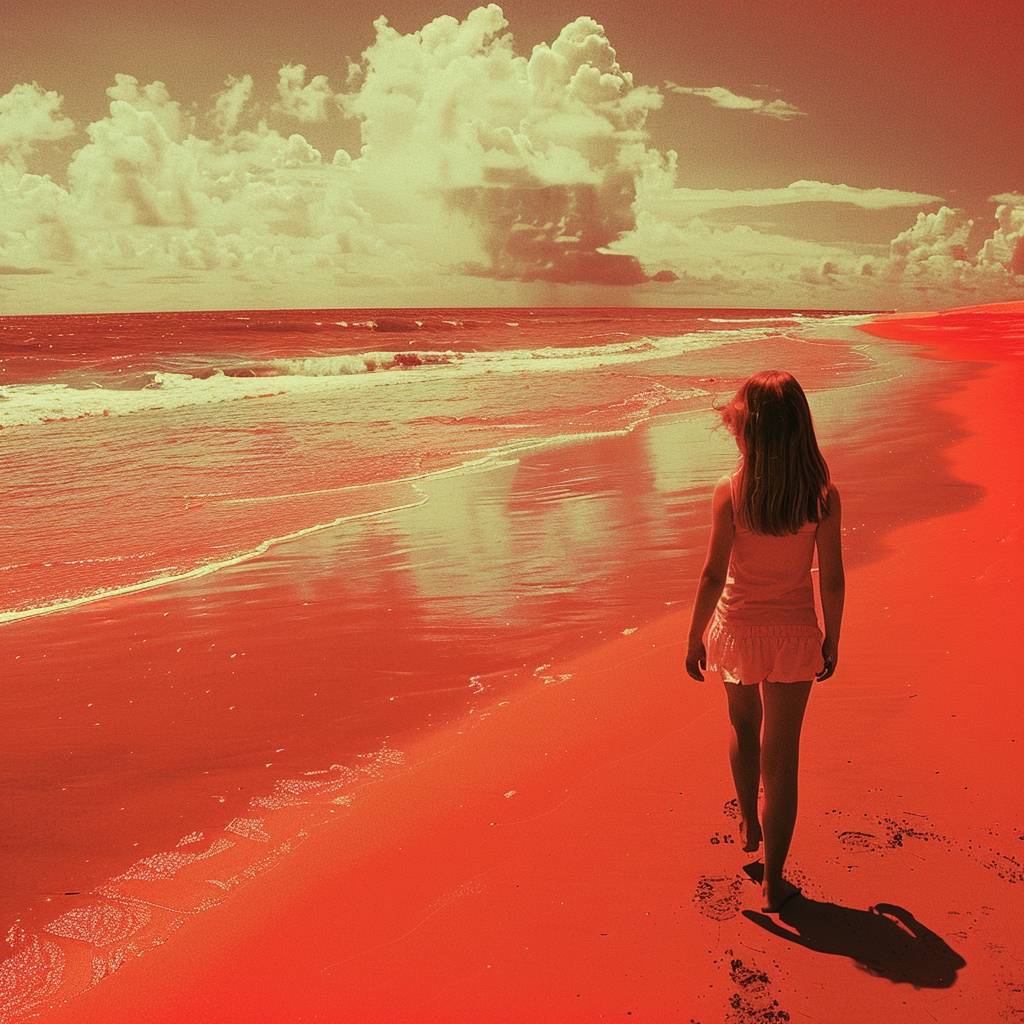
x,y
570,855
165,713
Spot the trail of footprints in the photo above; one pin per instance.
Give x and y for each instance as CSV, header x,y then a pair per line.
x,y
719,897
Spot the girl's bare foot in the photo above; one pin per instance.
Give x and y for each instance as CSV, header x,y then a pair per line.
x,y
750,834
776,894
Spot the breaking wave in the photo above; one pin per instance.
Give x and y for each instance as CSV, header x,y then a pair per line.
x,y
24,404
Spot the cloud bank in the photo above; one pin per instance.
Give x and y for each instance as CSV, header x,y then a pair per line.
x,y
484,174
683,202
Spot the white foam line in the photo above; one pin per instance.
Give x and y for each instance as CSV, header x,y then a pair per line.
x,y
502,456
200,570
44,403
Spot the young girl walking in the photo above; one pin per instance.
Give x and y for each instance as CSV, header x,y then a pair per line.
x,y
764,638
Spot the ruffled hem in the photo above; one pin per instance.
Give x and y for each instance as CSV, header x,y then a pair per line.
x,y
751,653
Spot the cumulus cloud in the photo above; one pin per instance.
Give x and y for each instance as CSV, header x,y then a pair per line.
x,y
780,110
305,101
144,193
475,160
34,219
932,252
132,171
538,155
933,258
825,273
1005,249
30,115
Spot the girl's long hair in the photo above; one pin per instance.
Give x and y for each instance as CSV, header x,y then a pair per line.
x,y
784,479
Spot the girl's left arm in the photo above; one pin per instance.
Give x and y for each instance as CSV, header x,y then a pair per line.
x,y
716,565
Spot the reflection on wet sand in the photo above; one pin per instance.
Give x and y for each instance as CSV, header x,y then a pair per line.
x,y
187,696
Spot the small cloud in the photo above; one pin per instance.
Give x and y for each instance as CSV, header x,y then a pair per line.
x,y
780,110
154,99
230,102
28,116
305,101
6,269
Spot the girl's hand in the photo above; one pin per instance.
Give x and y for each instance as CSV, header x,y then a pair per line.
x,y
830,654
696,659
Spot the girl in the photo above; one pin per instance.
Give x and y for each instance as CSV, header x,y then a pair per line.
x,y
767,518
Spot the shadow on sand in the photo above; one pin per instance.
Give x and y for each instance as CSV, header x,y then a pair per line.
x,y
885,940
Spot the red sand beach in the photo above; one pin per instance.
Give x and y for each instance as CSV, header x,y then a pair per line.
x,y
568,853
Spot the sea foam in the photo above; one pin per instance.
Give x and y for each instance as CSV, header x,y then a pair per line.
x,y
24,404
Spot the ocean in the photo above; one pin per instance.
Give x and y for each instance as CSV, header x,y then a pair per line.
x,y
140,448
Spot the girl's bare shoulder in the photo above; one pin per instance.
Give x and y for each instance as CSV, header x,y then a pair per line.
x,y
833,499
723,489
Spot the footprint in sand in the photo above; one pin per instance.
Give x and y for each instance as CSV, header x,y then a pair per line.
x,y
895,833
718,896
751,1001
859,840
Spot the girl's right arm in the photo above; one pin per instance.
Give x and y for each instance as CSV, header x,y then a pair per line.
x,y
831,578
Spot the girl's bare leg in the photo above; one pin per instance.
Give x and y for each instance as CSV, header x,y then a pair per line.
x,y
745,757
784,706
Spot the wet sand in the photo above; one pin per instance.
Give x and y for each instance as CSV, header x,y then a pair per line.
x,y
569,852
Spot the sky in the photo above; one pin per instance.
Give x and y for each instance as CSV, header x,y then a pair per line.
x,y
399,154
